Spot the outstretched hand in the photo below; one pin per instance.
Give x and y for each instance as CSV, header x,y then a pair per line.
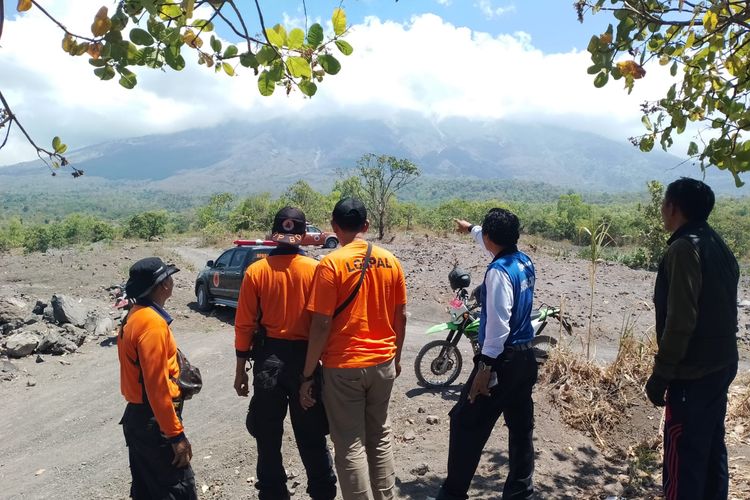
x,y
463,226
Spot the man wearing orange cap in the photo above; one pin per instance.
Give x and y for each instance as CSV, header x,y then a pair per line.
x,y
272,326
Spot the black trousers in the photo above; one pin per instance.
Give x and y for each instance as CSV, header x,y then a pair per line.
x,y
695,454
276,380
472,423
151,455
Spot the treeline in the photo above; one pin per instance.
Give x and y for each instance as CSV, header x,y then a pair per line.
x,y
634,229
76,229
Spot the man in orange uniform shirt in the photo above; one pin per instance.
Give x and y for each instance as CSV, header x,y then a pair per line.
x,y
271,326
158,450
358,332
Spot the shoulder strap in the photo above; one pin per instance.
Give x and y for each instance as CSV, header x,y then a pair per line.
x,y
354,293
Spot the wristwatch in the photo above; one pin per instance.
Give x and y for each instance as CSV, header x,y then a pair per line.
x,y
484,367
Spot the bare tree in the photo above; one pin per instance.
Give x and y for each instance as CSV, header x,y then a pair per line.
x,y
382,177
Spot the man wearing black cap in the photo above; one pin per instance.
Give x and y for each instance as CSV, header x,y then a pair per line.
x,y
272,327
358,305
158,449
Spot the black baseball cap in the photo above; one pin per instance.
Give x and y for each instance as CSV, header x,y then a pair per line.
x,y
289,226
145,275
350,214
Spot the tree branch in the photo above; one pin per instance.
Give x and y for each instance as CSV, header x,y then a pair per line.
x,y
62,27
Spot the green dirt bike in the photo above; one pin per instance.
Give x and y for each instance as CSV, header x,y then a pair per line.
x,y
439,362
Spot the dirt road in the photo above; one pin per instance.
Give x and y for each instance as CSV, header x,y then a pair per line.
x,y
59,432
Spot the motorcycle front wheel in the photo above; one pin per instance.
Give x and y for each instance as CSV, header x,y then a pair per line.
x,y
438,364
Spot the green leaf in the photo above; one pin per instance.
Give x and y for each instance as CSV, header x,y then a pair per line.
x,y
215,44
105,73
276,73
692,149
228,69
338,19
173,58
308,88
248,60
647,123
56,143
266,85
647,143
127,78
276,35
601,80
344,47
296,38
141,37
592,70
299,67
266,55
203,25
231,51
329,64
315,35
673,69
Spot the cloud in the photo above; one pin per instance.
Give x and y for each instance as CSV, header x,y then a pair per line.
x,y
444,3
490,11
426,65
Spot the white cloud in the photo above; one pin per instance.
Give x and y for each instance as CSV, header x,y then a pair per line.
x,y
444,3
426,65
490,11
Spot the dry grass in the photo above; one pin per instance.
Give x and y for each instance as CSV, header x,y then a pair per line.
x,y
594,398
738,412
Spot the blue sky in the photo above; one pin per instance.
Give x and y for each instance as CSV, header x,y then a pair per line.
x,y
552,24
488,59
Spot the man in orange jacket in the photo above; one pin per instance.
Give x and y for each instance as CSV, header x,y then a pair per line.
x,y
158,449
272,324
358,306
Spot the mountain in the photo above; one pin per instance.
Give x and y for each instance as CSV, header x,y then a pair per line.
x,y
268,156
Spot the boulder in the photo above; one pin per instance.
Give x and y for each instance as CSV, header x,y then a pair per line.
x,y
74,334
68,310
104,326
21,344
7,370
99,324
54,343
13,312
39,307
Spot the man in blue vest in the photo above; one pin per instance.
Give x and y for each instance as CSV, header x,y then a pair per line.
x,y
504,373
695,300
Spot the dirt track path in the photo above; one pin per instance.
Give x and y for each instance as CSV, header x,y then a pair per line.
x,y
60,438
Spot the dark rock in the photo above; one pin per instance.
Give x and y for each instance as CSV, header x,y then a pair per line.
x,y
21,344
54,343
39,307
74,334
68,310
421,469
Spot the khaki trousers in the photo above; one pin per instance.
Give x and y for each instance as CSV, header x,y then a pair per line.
x,y
356,402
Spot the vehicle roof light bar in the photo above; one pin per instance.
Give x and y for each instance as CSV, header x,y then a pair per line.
x,y
267,243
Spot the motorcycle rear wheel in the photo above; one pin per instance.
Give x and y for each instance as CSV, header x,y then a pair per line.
x,y
438,364
542,345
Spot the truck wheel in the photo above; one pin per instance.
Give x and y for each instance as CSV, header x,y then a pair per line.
x,y
202,297
331,243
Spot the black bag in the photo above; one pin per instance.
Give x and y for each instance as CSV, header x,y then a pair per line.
x,y
189,380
